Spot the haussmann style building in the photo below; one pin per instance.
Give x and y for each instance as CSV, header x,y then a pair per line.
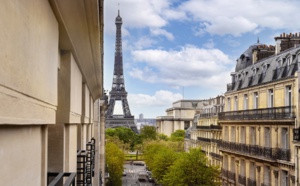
x,y
206,131
260,125
51,80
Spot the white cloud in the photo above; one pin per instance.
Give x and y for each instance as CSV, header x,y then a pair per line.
x,y
158,31
190,66
161,98
236,18
144,42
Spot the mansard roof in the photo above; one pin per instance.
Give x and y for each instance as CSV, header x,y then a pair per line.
x,y
275,67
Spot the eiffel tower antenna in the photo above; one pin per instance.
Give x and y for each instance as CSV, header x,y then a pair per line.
x,y
118,92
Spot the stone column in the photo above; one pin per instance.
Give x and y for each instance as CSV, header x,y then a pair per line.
x,y
102,140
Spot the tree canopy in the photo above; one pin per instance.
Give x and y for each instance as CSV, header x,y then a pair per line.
x,y
172,167
114,163
148,133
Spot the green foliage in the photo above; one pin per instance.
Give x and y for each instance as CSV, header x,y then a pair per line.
x,y
148,133
114,162
162,137
159,156
178,135
191,169
125,135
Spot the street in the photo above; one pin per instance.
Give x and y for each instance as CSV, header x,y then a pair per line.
x,y
131,178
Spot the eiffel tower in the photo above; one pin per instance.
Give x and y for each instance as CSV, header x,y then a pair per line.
x,y
118,92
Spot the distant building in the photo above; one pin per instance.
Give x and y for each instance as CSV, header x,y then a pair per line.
x,y
206,131
141,116
262,112
179,116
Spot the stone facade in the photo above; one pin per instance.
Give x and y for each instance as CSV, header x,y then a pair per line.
x,y
206,131
262,104
179,116
50,77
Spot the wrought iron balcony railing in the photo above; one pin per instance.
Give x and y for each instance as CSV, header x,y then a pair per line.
x,y
275,113
86,164
216,156
59,177
210,127
251,182
296,134
231,175
256,151
242,180
204,139
209,115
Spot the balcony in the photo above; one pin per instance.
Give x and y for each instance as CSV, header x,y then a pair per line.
x,y
216,156
296,134
242,180
86,164
204,139
251,182
210,127
275,113
271,154
208,115
59,177
231,175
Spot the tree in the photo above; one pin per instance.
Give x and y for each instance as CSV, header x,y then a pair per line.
x,y
162,137
178,135
191,169
126,135
114,161
148,133
159,156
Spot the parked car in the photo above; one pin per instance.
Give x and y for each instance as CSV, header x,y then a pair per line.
x,y
142,176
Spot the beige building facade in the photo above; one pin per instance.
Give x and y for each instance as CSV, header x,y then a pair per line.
x,y
261,111
51,78
206,131
178,117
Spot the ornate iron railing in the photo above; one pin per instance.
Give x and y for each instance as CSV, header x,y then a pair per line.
x,y
210,127
216,156
208,115
59,178
296,134
242,180
251,182
204,139
275,113
231,175
255,150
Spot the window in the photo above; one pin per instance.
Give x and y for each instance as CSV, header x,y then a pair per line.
x,y
245,102
235,108
255,100
226,133
298,58
284,138
267,175
186,125
228,104
232,134
284,178
267,137
242,168
288,96
289,60
252,171
232,165
225,162
243,135
253,136
270,98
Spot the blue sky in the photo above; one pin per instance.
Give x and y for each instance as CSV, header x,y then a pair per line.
x,y
186,49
